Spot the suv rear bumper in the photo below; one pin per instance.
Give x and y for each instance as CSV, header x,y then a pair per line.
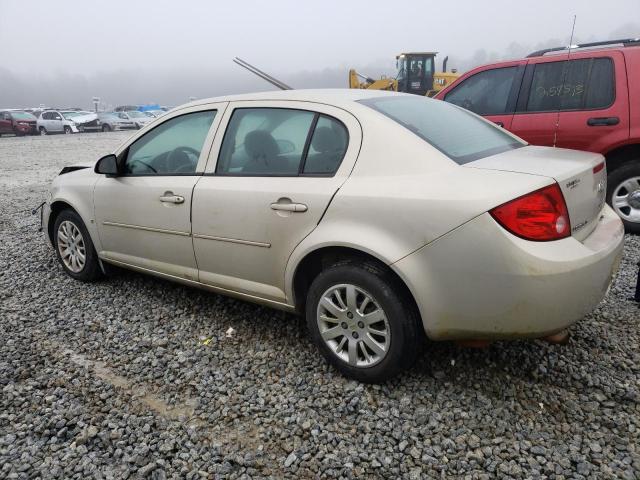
x,y
481,282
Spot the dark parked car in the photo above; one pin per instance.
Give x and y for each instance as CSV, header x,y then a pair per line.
x,y
17,122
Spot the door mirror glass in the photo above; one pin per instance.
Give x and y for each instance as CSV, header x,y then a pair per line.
x,y
107,165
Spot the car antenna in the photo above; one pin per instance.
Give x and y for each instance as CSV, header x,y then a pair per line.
x,y
261,74
564,78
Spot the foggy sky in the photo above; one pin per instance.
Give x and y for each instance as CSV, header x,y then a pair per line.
x,y
142,51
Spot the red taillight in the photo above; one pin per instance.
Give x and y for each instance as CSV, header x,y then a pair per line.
x,y
540,216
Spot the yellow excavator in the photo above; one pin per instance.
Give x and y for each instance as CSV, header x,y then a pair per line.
x,y
416,74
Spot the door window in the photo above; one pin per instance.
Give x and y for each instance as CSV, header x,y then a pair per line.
x,y
327,148
485,93
265,141
586,84
172,148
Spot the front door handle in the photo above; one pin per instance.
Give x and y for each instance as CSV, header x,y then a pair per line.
x,y
169,197
500,124
602,121
289,207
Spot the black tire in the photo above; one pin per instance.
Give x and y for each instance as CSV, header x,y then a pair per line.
x,y
406,334
106,128
67,130
618,176
91,269
42,130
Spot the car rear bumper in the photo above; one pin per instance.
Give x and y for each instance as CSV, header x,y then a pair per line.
x,y
481,282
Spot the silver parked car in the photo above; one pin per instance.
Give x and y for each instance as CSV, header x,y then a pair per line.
x,y
111,121
381,217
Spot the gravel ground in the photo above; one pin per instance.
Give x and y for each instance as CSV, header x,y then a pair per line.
x,y
137,377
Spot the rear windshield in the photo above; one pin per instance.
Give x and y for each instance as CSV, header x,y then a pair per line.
x,y
454,131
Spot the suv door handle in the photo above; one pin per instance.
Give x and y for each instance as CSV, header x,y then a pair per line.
x,y
169,197
289,207
500,124
602,121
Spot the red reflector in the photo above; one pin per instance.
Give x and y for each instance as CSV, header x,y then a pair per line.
x,y
598,167
540,216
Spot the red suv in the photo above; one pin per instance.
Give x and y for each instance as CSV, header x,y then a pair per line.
x,y
587,98
17,122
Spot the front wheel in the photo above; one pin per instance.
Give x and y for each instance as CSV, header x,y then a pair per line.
x,y
106,128
623,194
67,130
362,321
74,247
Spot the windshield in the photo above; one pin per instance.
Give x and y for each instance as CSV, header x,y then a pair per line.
x,y
135,114
22,116
457,133
68,115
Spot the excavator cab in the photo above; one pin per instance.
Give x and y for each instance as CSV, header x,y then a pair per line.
x,y
415,72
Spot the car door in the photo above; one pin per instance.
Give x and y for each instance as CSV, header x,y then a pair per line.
x,y
55,124
594,112
5,122
537,114
491,93
266,186
143,214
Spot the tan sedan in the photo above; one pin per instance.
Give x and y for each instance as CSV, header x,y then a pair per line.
x,y
382,217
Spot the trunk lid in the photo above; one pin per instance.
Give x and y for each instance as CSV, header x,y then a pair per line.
x,y
581,178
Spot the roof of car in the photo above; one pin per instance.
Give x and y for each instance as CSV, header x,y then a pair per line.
x,y
335,96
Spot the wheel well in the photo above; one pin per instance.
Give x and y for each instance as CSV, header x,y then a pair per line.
x,y
318,260
619,156
56,208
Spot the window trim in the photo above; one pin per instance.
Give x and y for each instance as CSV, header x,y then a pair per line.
x,y
305,151
523,100
512,96
122,157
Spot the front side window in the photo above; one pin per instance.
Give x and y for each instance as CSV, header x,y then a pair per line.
x,y
279,141
582,84
485,93
172,148
458,134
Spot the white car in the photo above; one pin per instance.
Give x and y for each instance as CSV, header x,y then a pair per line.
x,y
380,216
138,118
66,121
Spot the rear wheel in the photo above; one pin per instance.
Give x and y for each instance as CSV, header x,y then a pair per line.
x,y
74,247
362,321
42,130
623,194
67,130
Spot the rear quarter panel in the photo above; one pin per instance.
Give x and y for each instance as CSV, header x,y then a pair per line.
x,y
404,194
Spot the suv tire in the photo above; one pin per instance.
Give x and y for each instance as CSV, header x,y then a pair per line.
x,y
628,173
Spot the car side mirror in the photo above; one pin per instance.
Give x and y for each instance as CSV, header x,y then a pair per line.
x,y
107,165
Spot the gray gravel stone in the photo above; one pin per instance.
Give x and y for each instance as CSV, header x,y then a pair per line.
x,y
134,377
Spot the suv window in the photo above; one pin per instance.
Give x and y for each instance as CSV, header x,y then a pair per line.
x,y
472,138
485,93
172,148
586,84
277,141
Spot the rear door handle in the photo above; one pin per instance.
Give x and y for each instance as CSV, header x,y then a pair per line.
x,y
289,207
602,121
169,197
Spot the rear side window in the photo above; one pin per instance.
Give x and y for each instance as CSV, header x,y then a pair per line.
x,y
583,84
458,134
485,93
281,142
